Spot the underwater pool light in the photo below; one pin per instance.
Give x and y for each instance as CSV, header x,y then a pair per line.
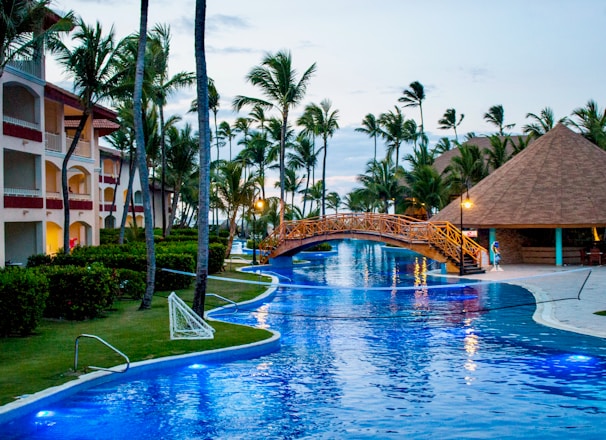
x,y
41,414
579,358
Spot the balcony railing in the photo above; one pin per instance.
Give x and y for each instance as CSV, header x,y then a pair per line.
x,y
31,67
22,192
83,148
53,142
20,122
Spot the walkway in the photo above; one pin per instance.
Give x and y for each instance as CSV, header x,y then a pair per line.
x,y
571,315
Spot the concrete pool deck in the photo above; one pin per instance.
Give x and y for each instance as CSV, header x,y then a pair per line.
x,y
562,301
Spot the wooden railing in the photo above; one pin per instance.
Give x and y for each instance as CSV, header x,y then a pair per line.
x,y
442,236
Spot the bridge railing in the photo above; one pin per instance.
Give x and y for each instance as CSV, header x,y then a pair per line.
x,y
441,235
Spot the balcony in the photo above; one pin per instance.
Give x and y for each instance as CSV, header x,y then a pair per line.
x,y
83,149
53,142
28,66
23,198
22,129
54,200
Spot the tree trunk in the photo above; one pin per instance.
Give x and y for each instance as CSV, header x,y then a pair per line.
x,y
113,205
163,170
173,210
233,226
142,162
129,192
64,183
204,159
324,178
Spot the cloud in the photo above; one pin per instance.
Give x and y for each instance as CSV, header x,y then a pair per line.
x,y
221,22
477,74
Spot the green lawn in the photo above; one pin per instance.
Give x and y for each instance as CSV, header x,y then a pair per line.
x,y
46,359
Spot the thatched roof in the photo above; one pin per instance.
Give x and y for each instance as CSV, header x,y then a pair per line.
x,y
557,181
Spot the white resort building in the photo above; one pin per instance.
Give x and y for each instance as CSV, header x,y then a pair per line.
x,y
38,122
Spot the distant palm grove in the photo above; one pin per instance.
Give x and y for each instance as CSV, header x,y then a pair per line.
x,y
276,129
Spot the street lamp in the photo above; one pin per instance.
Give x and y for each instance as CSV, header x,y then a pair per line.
x,y
257,206
464,204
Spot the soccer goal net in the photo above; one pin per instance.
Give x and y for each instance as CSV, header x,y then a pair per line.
x,y
185,323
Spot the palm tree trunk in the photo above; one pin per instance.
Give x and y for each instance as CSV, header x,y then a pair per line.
x,y
142,162
129,193
173,210
324,179
233,226
163,170
113,205
204,160
64,184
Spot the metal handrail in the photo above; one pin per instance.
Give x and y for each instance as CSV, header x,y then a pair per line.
x,y
235,304
84,335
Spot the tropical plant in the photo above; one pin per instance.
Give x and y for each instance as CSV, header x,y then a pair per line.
x,y
497,154
449,121
204,158
414,97
333,201
226,132
236,193
427,190
442,146
371,126
468,167
181,161
393,131
381,181
24,27
91,66
303,156
496,117
276,79
326,123
542,123
591,122
258,152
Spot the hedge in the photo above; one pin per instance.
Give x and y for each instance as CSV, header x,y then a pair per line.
x,y
23,296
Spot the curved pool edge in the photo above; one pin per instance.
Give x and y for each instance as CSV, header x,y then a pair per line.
x,y
51,395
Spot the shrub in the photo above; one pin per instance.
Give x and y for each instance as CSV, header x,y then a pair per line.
x,y
39,260
320,247
132,283
216,257
173,281
78,293
23,294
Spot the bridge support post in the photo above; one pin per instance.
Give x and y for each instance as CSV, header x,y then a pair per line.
x,y
281,261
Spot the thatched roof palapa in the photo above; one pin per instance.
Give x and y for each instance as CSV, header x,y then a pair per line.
x,y
559,180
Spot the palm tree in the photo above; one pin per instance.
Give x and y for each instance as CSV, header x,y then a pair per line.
x,y
392,130
259,152
497,154
542,123
442,146
449,121
333,200
235,193
591,121
360,200
420,156
277,80
226,132
142,161
315,195
426,189
293,184
326,123
381,180
204,158
496,117
181,163
91,65
23,29
468,167
371,126
304,156
162,86
414,97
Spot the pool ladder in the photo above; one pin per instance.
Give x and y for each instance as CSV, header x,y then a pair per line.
x,y
107,344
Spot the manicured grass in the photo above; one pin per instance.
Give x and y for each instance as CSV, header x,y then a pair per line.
x,y
46,359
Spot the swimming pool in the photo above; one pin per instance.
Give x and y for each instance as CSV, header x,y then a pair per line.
x,y
362,363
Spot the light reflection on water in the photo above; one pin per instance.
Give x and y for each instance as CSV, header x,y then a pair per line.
x,y
419,363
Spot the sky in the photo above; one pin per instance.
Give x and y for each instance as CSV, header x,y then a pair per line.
x,y
469,55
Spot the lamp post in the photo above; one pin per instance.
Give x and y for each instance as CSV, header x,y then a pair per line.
x,y
464,204
258,205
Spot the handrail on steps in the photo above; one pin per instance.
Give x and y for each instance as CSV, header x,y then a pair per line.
x,y
235,304
84,335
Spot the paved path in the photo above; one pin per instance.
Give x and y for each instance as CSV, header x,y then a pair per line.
x,y
553,288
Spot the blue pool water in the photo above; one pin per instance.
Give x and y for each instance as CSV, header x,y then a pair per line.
x,y
445,363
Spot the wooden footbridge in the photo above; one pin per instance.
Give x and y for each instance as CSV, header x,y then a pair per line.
x,y
440,241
